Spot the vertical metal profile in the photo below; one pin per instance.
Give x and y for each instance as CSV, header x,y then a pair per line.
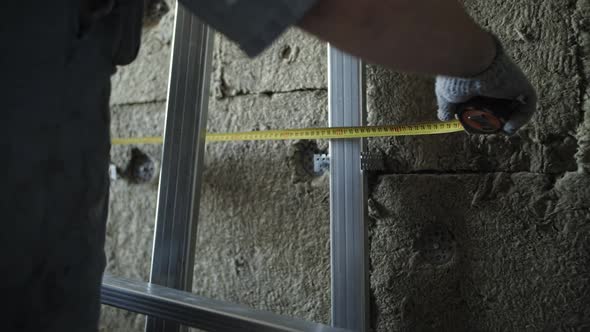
x,y
182,161
346,86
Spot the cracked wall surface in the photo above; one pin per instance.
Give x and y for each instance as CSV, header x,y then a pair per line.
x,y
466,233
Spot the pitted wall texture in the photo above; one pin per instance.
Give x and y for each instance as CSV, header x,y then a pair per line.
x,y
466,233
513,211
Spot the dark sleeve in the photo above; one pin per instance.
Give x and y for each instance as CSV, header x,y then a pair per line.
x,y
253,24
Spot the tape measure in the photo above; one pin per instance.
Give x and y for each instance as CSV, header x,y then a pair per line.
x,y
486,116
429,128
480,115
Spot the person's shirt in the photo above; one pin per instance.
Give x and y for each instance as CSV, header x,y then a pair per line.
x,y
253,24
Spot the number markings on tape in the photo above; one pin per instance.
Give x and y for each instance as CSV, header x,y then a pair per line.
x,y
431,128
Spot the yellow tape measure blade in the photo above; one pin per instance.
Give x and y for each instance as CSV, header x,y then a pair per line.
x,y
432,128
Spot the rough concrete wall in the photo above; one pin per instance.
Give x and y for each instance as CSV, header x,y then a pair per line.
x,y
467,233
489,233
263,231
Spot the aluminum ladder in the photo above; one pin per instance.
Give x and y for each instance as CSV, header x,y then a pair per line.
x,y
166,299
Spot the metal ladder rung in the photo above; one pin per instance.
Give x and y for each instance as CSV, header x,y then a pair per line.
x,y
195,311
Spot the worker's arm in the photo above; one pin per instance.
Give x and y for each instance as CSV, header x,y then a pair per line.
x,y
427,36
430,37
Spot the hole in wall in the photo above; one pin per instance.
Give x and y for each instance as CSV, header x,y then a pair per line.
x,y
436,244
288,54
141,167
302,160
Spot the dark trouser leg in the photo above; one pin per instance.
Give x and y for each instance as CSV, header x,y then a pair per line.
x,y
54,140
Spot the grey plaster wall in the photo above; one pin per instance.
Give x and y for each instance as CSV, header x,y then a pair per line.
x,y
489,233
466,233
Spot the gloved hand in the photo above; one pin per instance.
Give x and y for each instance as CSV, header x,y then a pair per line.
x,y
503,80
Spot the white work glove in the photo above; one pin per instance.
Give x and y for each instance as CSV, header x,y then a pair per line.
x,y
502,80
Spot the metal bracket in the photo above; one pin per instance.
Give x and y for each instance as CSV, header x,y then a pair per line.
x,y
113,174
321,163
370,161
